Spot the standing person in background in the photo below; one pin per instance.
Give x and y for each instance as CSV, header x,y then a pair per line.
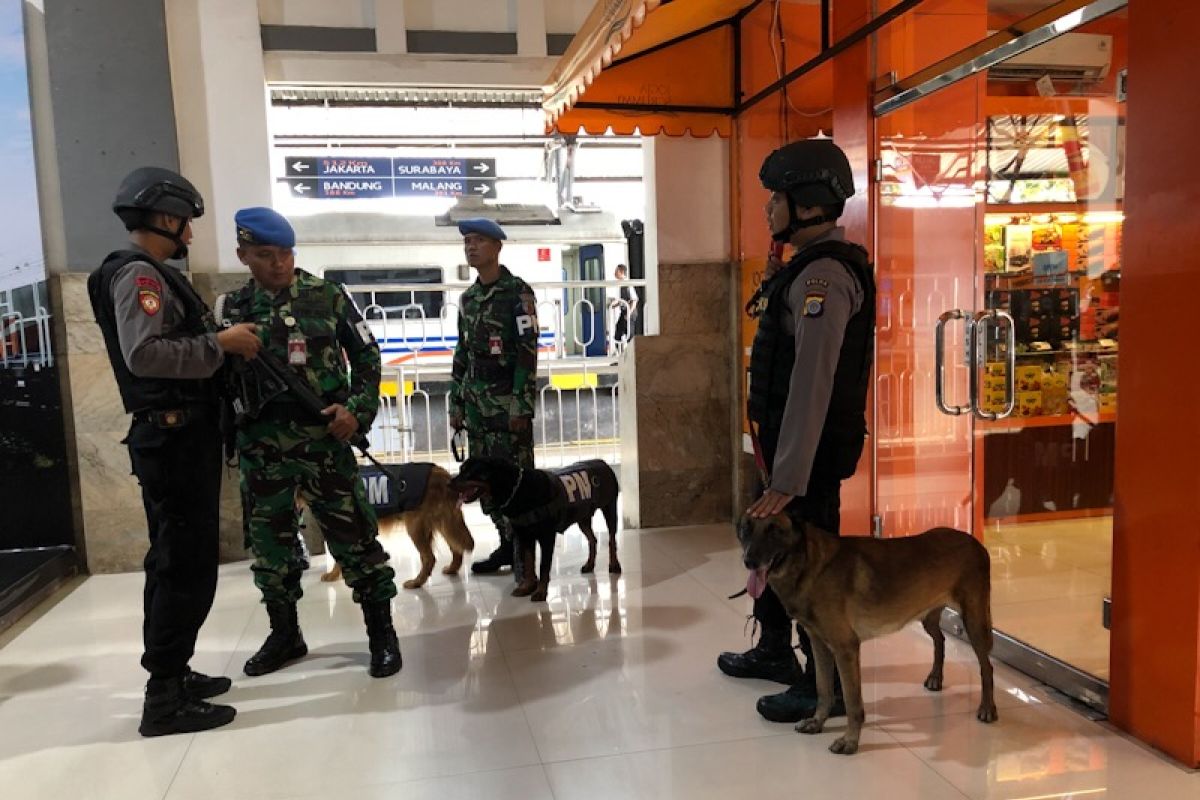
x,y
494,386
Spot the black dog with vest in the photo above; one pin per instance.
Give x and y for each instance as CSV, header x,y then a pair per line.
x,y
540,504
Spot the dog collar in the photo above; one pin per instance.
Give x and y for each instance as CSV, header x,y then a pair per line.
x,y
517,485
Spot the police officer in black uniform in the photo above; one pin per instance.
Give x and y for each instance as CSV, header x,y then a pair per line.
x,y
810,367
164,350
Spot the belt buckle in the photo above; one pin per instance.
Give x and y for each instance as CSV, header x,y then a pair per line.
x,y
172,418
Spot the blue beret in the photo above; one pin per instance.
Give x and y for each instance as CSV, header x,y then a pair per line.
x,y
259,225
483,226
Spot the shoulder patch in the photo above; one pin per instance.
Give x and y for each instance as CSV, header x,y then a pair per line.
x,y
150,301
146,282
814,304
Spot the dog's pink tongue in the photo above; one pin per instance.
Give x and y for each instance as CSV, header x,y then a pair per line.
x,y
756,582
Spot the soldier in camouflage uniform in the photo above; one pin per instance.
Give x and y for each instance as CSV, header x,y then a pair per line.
x,y
306,323
495,369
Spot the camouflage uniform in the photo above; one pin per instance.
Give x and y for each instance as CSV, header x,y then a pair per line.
x,y
281,451
495,371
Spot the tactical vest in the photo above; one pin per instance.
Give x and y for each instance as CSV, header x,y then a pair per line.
x,y
139,394
773,355
398,489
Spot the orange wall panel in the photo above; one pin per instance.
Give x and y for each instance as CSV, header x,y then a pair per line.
x,y
1155,674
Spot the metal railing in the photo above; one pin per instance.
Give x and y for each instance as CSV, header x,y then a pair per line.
x,y
576,413
17,347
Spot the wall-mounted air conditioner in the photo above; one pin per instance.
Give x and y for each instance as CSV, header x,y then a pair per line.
x,y
1070,57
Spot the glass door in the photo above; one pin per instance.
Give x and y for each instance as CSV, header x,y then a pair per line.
x,y
999,220
928,225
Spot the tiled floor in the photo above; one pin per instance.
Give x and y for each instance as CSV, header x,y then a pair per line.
x,y
609,691
1049,580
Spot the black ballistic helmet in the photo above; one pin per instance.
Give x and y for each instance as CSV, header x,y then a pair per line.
x,y
150,189
812,172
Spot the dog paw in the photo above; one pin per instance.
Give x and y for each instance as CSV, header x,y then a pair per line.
x,y
810,725
987,714
844,747
934,683
330,577
450,570
614,568
588,568
414,583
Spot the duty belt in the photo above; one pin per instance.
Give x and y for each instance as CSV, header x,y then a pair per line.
x,y
175,417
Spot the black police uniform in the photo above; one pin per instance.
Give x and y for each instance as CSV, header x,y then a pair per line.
x,y
161,343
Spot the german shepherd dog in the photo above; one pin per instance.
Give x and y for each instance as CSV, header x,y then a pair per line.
x,y
540,504
438,512
845,590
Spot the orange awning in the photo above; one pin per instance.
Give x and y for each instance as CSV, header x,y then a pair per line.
x,y
658,66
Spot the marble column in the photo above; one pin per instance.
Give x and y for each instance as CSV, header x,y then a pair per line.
x,y
676,403
108,503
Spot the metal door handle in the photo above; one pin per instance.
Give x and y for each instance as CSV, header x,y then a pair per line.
x,y
978,360
939,368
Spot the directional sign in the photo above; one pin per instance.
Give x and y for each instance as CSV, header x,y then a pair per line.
x,y
303,187
355,187
300,167
342,177
444,167
341,167
444,187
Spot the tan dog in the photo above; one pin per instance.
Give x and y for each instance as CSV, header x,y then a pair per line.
x,y
439,512
847,590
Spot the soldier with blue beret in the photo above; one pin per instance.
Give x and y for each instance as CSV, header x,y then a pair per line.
x,y
494,376
307,323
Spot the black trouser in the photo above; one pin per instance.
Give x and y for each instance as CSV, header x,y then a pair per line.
x,y
180,473
822,506
621,329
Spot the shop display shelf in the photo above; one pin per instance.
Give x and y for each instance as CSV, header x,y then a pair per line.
x,y
1010,423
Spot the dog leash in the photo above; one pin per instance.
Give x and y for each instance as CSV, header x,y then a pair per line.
x,y
517,485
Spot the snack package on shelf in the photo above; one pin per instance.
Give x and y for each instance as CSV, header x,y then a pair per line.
x,y
1047,237
1108,402
1050,263
1018,247
1054,393
1029,404
1028,378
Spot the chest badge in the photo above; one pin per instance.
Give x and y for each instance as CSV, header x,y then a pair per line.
x,y
289,321
297,350
495,345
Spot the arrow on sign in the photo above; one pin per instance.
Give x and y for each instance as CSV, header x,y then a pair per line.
x,y
301,166
481,168
300,188
483,189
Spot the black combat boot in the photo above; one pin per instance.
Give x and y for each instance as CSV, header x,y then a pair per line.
x,y
772,659
285,642
381,636
800,700
169,709
501,557
201,687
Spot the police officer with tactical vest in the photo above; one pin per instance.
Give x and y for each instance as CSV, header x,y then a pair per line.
x,y
810,366
494,375
306,323
165,349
